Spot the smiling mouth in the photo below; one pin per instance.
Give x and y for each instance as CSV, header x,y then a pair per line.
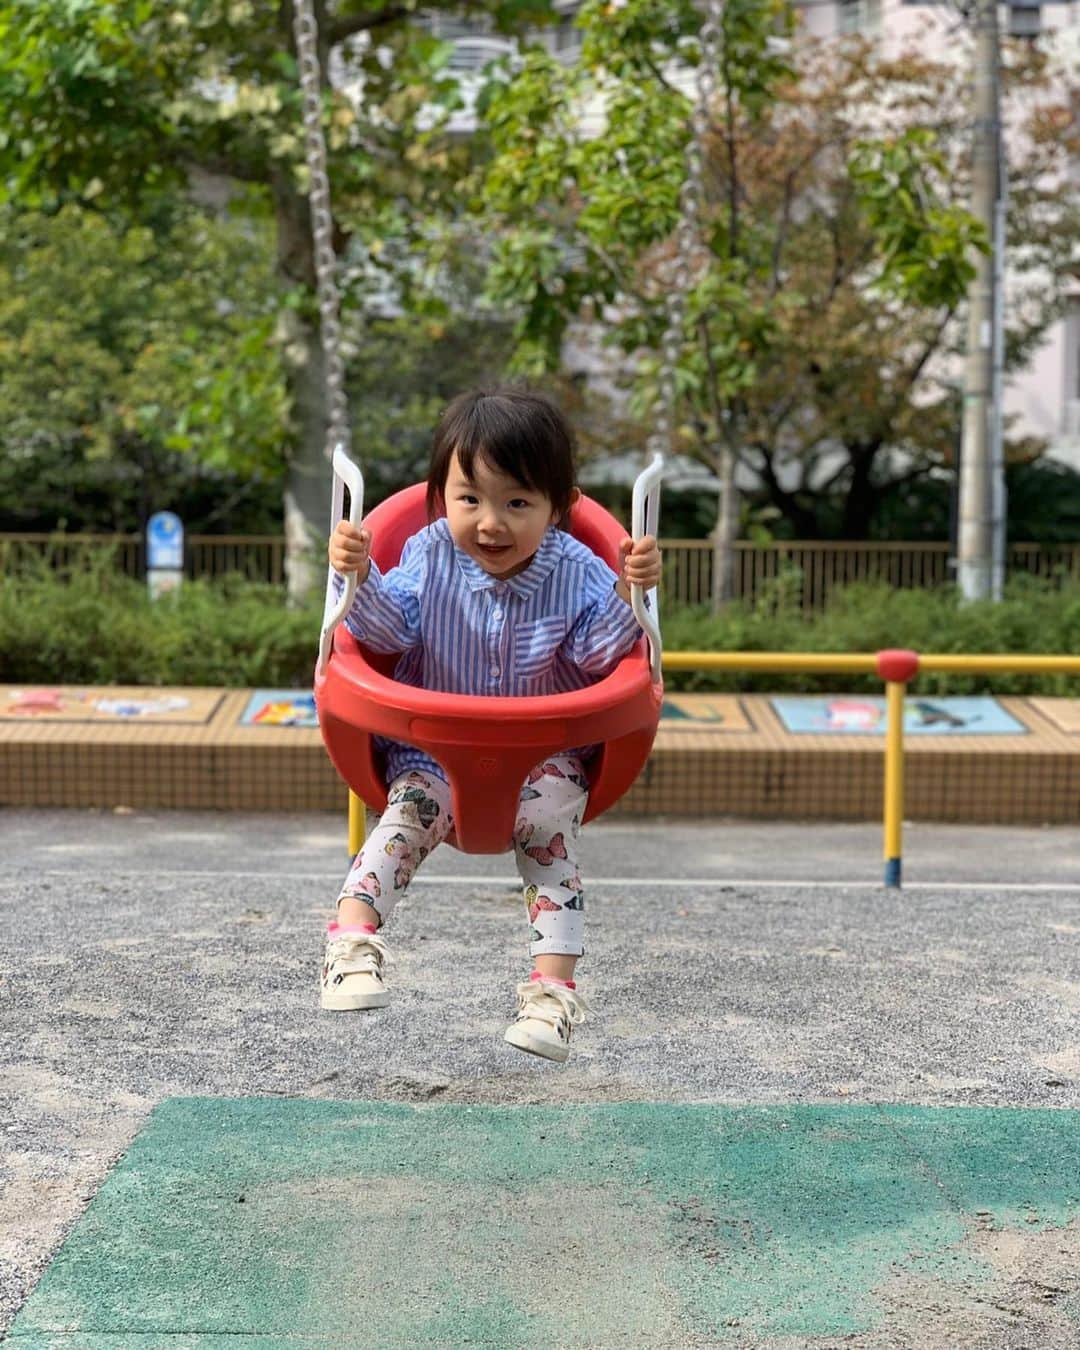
x,y
493,549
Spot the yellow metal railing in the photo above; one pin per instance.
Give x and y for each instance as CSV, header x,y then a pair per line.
x,y
357,824
897,669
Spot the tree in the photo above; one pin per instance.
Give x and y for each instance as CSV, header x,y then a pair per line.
x,y
136,368
834,257
138,371
120,101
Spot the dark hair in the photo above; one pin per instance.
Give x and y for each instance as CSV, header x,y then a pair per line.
x,y
514,431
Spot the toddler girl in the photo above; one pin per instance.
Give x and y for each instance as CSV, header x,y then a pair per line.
x,y
492,598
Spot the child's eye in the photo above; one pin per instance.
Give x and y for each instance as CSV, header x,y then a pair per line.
x,y
519,503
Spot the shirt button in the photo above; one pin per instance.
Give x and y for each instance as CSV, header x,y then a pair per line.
x,y
495,672
496,613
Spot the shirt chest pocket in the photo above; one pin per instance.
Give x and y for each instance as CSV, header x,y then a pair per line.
x,y
535,644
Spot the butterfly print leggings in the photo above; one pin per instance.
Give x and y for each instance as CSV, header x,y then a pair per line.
x,y
417,819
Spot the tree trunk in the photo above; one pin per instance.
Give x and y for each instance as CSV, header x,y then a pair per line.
x,y
803,520
307,491
308,480
725,531
861,497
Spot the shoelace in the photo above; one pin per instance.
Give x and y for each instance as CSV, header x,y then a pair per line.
x,y
354,956
536,999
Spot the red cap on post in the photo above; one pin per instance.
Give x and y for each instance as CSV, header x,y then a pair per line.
x,y
898,665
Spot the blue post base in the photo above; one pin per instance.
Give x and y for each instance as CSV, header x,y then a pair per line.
x,y
892,872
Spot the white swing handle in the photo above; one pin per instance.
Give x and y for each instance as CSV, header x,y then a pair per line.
x,y
644,516
346,475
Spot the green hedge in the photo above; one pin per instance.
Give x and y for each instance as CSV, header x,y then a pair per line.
x,y
1036,617
99,627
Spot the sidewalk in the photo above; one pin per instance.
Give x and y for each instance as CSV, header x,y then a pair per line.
x,y
750,983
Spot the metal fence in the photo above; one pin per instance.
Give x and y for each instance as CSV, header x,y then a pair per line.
x,y
806,570
259,557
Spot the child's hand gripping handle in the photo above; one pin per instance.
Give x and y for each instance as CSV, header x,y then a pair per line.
x,y
346,475
644,516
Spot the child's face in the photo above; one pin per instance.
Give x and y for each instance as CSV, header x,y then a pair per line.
x,y
494,519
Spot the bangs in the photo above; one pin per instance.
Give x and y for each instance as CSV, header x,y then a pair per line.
x,y
515,432
505,454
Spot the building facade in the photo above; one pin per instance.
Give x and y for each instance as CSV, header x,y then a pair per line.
x,y
1042,400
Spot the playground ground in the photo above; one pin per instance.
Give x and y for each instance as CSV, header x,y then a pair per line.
x,y
806,1111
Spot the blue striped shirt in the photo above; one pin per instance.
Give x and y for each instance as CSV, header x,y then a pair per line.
x,y
556,626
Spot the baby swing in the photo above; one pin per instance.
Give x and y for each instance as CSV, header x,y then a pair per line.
x,y
487,745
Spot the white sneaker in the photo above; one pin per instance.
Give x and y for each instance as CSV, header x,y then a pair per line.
x,y
352,972
546,1013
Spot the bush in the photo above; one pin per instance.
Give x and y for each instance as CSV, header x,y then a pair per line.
x,y
1036,617
100,627
97,626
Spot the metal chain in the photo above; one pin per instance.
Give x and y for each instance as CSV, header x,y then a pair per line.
x,y
306,32
688,235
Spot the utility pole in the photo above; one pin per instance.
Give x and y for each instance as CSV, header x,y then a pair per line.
x,y
999,507
975,550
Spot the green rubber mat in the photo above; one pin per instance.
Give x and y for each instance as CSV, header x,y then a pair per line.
x,y
374,1224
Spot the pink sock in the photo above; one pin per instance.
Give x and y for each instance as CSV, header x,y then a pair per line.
x,y
550,979
335,929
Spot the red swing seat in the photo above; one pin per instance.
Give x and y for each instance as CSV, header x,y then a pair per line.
x,y
486,745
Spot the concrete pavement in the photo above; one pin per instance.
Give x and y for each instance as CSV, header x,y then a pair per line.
x,y
757,974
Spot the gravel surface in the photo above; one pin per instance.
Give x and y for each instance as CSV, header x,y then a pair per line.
x,y
148,956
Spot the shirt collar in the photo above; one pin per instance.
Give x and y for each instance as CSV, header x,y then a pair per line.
x,y
526,583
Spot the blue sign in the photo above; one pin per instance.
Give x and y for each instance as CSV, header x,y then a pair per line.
x,y
164,542
864,714
280,708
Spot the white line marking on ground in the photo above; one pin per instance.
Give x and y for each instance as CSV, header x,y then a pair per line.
x,y
623,883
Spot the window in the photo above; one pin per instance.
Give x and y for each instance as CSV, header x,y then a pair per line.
x,y
447,29
567,39
859,16
1071,410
